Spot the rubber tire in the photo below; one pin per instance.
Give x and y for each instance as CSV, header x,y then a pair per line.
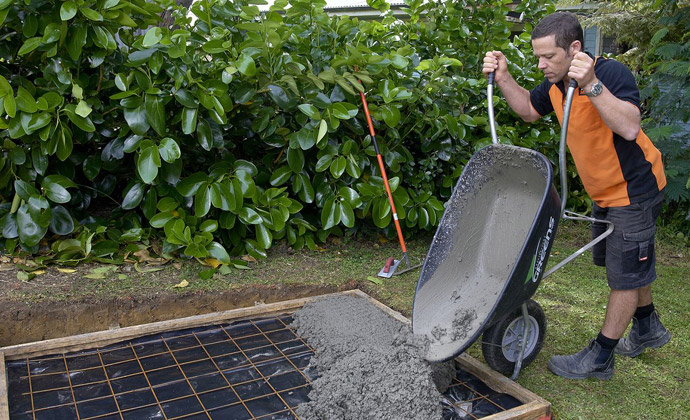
x,y
493,338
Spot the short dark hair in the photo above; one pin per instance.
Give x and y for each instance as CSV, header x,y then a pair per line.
x,y
563,25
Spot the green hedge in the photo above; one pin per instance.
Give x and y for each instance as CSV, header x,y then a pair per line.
x,y
220,136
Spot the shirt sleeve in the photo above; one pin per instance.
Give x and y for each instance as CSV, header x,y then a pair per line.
x,y
619,80
539,97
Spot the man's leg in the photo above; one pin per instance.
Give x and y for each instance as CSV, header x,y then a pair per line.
x,y
619,312
647,330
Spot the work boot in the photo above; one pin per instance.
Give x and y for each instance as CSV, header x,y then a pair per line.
x,y
583,364
634,344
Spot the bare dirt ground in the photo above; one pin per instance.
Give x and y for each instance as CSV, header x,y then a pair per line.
x,y
65,301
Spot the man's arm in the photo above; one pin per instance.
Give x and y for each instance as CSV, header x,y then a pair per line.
x,y
622,117
518,98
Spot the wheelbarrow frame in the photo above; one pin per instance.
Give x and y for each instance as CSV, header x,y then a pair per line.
x,y
494,316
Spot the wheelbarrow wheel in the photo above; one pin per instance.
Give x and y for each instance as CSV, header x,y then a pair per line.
x,y
502,341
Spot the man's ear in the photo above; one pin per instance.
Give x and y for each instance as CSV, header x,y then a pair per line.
x,y
575,47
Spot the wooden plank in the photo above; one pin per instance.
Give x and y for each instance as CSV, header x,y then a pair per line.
x,y
4,404
103,338
533,410
495,380
534,407
397,315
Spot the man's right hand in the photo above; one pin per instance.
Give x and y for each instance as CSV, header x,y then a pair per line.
x,y
495,61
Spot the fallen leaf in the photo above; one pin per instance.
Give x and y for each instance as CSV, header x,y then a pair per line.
x,y
183,283
67,270
146,270
24,276
249,258
177,265
212,262
375,280
39,272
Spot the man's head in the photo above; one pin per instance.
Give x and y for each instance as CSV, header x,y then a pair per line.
x,y
555,40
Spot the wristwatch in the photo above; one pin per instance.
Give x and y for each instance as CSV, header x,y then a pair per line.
x,y
596,89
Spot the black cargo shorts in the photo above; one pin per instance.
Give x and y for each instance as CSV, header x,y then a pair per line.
x,y
628,252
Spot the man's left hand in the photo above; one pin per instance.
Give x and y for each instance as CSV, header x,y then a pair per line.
x,y
582,70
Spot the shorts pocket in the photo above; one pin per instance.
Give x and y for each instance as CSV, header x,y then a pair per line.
x,y
639,250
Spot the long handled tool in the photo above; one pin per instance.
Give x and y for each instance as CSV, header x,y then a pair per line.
x,y
391,266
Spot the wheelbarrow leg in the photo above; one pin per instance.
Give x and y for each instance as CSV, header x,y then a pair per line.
x,y
523,344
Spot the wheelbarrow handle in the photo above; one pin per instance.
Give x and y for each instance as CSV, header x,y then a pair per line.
x,y
561,151
490,99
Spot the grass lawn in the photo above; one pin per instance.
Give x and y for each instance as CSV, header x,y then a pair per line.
x,y
652,386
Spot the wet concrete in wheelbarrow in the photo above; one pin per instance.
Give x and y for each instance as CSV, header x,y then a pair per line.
x,y
370,365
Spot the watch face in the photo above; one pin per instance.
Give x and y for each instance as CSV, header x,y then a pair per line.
x,y
596,89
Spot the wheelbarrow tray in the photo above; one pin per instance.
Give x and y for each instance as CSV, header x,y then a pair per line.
x,y
490,249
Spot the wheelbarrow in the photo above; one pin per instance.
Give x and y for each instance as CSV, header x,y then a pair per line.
x,y
490,252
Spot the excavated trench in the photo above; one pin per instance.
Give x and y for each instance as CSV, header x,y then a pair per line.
x,y
22,322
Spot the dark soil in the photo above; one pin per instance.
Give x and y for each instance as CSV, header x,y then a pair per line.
x,y
64,301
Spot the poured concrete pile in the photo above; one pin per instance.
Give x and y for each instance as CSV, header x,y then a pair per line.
x,y
370,365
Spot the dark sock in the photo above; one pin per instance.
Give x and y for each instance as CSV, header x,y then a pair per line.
x,y
642,314
607,346
644,311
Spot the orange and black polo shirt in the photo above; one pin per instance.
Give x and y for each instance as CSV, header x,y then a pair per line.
x,y
615,172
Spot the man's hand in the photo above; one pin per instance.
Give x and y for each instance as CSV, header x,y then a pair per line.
x,y
495,61
582,70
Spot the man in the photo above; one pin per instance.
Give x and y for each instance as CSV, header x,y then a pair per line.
x,y
621,170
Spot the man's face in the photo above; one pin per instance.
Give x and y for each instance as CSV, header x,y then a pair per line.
x,y
554,61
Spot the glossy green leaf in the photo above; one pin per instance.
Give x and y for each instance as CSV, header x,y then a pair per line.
x,y
148,206
222,197
136,120
61,222
310,111
91,14
68,10
189,119
391,115
281,175
159,220
185,98
8,224
25,102
338,166
24,190
323,163
306,192
133,196
30,45
350,196
190,185
152,37
249,216
330,214
148,162
202,201
39,210
217,251
323,129
295,159
204,135
55,187
246,65
263,236
155,113
169,150
40,161
30,233
347,215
